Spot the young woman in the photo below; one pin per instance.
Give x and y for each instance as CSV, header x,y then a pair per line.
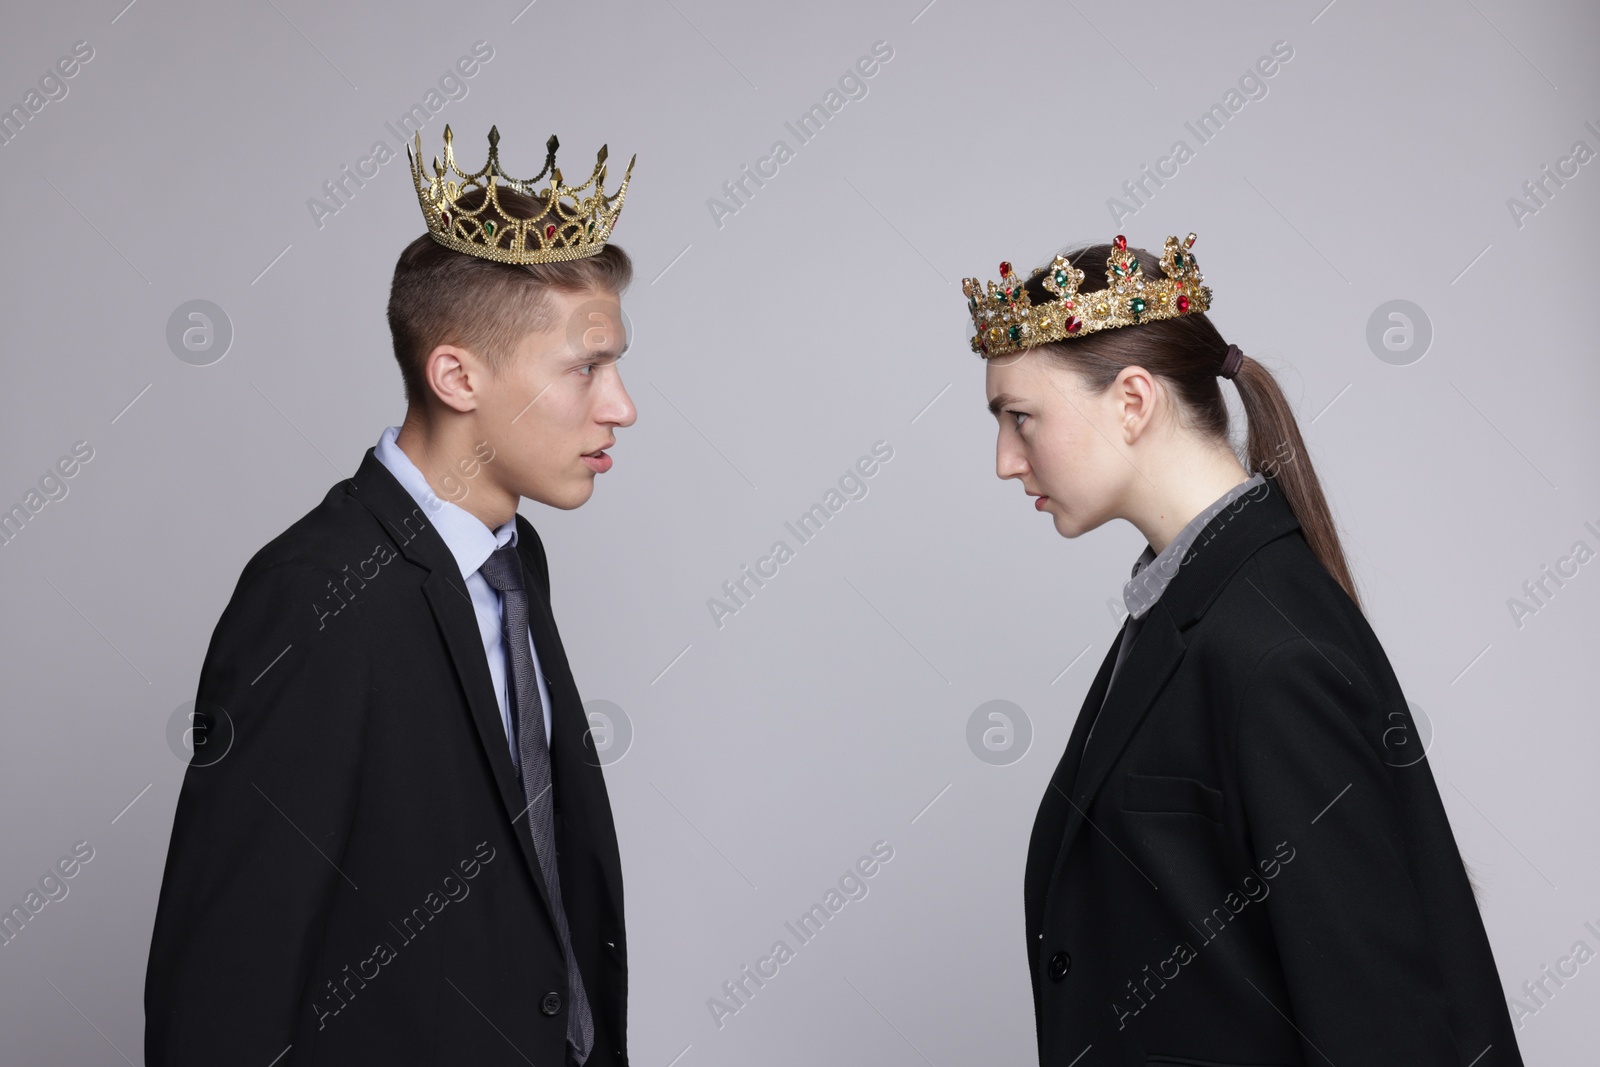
x,y
1242,857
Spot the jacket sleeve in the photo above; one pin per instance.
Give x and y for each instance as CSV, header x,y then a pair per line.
x,y
1348,920
256,858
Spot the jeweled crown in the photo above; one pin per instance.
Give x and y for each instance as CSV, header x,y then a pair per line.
x,y
571,225
1007,319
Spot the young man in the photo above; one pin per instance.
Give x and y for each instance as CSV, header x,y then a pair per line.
x,y
393,843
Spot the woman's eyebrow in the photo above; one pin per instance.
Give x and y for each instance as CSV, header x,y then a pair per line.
x,y
1001,401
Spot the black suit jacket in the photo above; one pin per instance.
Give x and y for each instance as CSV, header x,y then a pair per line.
x,y
354,880
1254,866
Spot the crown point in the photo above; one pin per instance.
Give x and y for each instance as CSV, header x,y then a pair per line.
x,y
552,144
494,136
1005,269
447,134
1189,241
604,151
555,175
1121,242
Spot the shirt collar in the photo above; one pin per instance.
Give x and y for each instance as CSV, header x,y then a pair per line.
x,y
1152,572
469,539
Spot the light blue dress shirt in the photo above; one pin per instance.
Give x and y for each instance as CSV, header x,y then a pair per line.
x,y
471,543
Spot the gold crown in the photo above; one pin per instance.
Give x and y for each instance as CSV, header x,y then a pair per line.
x,y
570,227
1007,320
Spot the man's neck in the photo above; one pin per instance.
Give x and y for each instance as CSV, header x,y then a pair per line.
x,y
437,454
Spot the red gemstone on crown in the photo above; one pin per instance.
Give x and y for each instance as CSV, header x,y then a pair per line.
x,y
1005,269
1183,304
550,231
1072,324
1121,242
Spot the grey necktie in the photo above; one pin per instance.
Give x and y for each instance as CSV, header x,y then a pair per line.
x,y
503,571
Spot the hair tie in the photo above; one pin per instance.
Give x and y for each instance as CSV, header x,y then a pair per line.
x,y
1230,362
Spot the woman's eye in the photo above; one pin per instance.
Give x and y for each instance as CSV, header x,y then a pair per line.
x,y
1020,416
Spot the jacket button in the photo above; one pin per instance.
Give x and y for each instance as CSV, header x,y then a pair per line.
x,y
1060,964
551,1003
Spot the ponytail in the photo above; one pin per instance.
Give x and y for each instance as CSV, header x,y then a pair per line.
x,y
1274,447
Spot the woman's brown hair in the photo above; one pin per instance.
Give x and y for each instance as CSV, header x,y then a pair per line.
x,y
1186,353
441,296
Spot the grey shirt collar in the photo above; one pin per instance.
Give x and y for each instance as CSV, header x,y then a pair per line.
x,y
1152,572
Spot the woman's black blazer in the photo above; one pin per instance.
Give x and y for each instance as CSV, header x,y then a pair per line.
x,y
1254,866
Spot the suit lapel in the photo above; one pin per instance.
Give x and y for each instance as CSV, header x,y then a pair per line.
x,y
452,608
1155,654
1151,661
575,768
1049,825
566,714
451,604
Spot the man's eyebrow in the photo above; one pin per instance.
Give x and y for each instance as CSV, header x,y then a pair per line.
x,y
1001,401
593,355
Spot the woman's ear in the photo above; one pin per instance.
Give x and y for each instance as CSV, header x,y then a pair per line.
x,y
1133,395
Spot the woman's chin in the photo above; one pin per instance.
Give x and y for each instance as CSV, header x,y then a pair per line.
x,y
1069,525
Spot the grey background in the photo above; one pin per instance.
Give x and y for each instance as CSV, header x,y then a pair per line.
x,y
770,353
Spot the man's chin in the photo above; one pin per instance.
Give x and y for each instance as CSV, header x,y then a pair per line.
x,y
573,494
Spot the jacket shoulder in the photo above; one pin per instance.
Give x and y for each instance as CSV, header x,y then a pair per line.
x,y
338,531
1283,596
1283,592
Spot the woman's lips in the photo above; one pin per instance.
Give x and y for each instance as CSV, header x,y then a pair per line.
x,y
599,462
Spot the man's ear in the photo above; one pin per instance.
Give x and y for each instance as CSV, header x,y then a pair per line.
x,y
454,375
1134,393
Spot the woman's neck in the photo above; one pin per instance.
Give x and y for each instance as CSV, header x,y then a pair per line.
x,y
1178,487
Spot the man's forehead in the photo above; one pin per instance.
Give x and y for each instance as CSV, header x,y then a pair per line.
x,y
588,327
